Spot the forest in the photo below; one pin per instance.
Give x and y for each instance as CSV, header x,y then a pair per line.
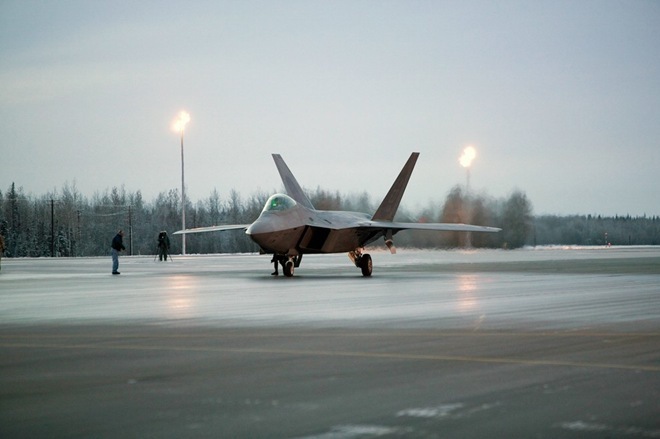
x,y
64,223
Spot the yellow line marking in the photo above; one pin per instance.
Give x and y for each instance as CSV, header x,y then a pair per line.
x,y
383,355
273,334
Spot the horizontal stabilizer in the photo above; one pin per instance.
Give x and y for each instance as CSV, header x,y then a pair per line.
x,y
390,204
212,229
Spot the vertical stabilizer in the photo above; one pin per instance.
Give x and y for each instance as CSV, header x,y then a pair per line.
x,y
390,204
290,183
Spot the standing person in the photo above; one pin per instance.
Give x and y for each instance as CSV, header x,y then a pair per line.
x,y
163,245
276,259
117,246
2,249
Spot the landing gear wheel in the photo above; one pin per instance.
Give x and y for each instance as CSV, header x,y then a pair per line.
x,y
288,268
366,265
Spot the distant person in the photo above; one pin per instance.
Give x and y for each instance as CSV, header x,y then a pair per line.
x,y
2,249
163,245
117,246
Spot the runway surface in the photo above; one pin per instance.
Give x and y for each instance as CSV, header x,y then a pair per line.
x,y
545,343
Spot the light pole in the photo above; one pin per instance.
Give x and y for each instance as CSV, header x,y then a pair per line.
x,y
180,126
469,154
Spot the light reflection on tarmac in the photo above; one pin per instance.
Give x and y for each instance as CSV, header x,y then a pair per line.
x,y
530,343
411,289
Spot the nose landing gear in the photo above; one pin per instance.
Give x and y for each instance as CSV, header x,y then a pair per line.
x,y
288,268
288,263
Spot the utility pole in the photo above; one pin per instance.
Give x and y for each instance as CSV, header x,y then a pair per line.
x,y
79,236
52,228
130,231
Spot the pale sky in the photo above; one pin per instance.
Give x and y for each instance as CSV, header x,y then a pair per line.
x,y
561,99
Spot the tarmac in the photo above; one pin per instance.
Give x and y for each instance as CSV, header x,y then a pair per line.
x,y
535,343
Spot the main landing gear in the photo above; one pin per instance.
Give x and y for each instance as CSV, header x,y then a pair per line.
x,y
362,261
290,263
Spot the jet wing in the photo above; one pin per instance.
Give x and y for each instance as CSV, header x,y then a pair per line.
x,y
440,227
212,229
370,230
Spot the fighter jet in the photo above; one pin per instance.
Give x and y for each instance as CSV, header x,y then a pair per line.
x,y
289,226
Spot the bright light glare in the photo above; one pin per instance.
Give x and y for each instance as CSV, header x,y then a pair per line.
x,y
180,123
469,154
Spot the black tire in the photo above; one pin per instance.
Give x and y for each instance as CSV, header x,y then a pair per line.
x,y
366,265
288,269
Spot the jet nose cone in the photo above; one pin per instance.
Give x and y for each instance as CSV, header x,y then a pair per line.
x,y
260,232
259,227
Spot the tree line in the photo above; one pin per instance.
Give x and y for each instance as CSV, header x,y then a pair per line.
x,y
64,223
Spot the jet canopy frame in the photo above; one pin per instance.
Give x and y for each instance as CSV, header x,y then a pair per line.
x,y
279,202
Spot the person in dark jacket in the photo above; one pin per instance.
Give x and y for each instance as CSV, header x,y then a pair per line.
x,y
117,246
163,245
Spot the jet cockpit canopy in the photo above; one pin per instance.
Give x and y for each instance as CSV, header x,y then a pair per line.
x,y
279,202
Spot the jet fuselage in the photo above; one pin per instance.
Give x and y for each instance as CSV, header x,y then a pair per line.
x,y
286,227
